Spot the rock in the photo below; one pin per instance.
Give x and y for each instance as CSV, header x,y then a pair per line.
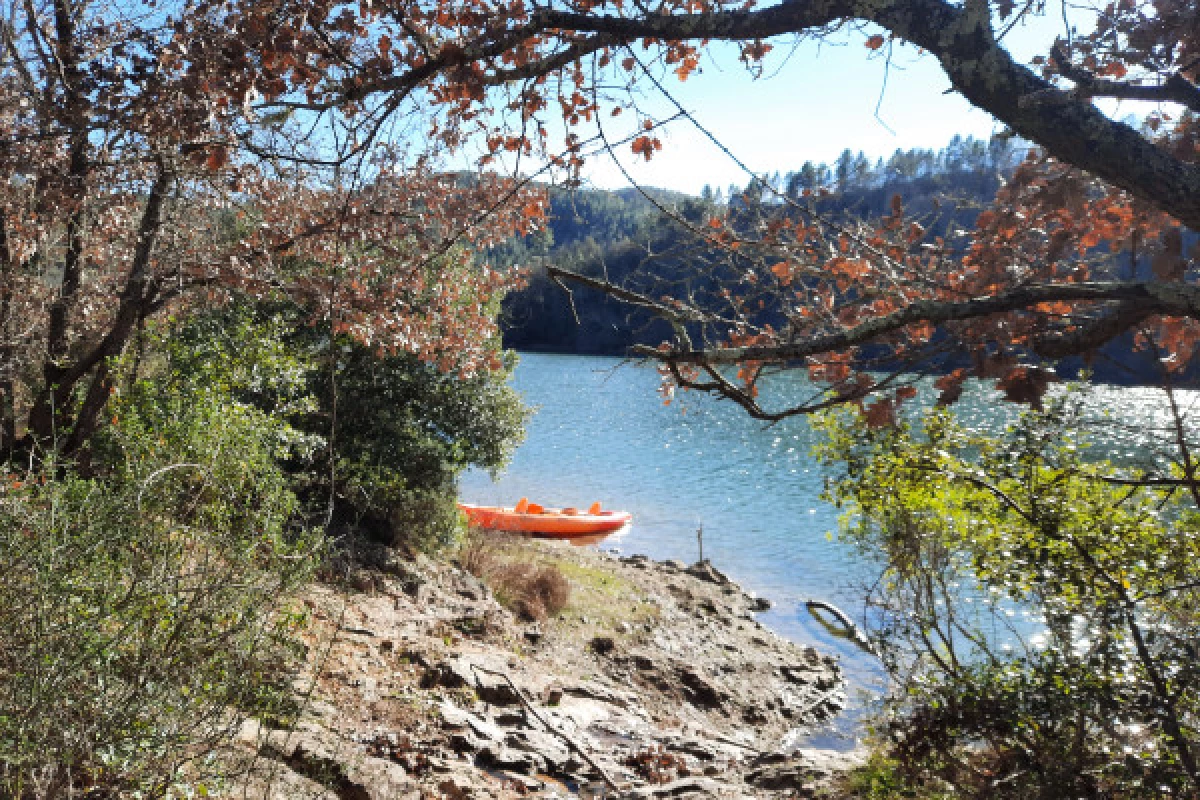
x,y
684,787
549,748
643,662
698,691
554,695
498,756
760,604
495,689
466,742
602,645
800,675
533,635
453,674
707,572
674,565
798,773
333,763
469,587
455,717
595,691
363,580
522,783
360,632
452,791
511,718
794,776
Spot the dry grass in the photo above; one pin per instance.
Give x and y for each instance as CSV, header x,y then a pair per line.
x,y
512,568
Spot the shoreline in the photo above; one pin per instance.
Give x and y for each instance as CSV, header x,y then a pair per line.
x,y
655,680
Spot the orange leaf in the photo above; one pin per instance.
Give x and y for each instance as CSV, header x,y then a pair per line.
x,y
881,413
874,42
1115,70
645,146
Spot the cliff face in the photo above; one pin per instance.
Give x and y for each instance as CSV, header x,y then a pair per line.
x,y
655,680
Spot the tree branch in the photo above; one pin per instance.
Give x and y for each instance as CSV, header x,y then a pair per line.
x,y
1071,128
1176,299
1175,89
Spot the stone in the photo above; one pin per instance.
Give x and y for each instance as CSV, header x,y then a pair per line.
x,y
595,691
602,645
498,756
510,718
469,587
554,695
760,604
495,689
551,749
333,763
453,674
697,689
523,783
684,787
643,662
455,717
790,775
363,580
360,632
466,742
705,571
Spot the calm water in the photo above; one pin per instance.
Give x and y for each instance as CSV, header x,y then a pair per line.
x,y
602,433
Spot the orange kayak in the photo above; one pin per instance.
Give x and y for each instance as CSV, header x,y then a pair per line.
x,y
557,523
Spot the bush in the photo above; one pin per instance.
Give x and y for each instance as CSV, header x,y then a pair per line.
x,y
377,439
146,608
403,433
509,565
1038,610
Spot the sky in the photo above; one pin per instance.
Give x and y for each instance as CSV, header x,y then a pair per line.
x,y
813,101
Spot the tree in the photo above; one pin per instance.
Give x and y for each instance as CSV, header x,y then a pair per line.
x,y
501,69
139,180
1037,603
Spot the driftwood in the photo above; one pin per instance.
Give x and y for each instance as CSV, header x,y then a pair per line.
x,y
571,743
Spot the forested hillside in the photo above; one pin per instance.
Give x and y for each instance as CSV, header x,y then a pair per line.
x,y
655,242
626,237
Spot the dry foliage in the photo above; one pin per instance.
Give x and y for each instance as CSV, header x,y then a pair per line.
x,y
510,566
657,765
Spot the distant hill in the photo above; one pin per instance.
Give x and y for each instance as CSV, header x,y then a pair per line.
x,y
622,235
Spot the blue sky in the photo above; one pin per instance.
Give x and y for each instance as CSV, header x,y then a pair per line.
x,y
814,101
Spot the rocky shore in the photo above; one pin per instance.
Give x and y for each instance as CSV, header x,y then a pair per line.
x,y
655,681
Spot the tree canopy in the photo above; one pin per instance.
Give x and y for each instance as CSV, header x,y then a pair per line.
x,y
1039,277
158,154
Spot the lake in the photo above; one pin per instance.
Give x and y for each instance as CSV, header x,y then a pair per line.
x,y
601,432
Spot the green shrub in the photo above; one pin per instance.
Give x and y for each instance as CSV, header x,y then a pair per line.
x,y
403,432
377,439
1038,609
146,608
